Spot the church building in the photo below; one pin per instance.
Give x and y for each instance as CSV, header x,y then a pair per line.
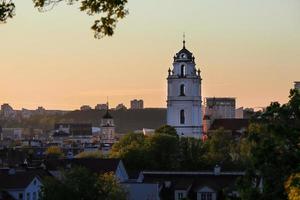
x,y
184,102
107,128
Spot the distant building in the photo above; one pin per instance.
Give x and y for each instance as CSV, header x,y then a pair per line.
x,y
25,113
121,107
85,107
297,85
107,129
219,107
137,104
103,106
74,129
40,110
239,113
12,134
7,111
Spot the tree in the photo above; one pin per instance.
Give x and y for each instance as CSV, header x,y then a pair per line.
x,y
93,154
54,152
292,187
131,148
192,153
274,149
166,129
81,184
163,151
108,11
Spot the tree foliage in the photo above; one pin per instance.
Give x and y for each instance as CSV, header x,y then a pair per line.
x,y
81,184
109,12
274,150
54,152
166,151
93,154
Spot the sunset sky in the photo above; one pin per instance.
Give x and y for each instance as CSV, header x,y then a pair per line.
x,y
248,49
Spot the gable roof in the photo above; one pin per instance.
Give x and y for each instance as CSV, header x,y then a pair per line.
x,y
230,124
18,180
195,180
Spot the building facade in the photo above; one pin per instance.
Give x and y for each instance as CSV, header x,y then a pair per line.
x,y
107,129
184,95
220,108
137,104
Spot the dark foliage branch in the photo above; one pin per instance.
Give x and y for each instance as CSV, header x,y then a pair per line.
x,y
7,10
109,12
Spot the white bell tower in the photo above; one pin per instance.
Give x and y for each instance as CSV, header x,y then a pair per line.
x,y
184,102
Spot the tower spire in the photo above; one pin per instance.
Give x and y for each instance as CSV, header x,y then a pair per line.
x,y
183,40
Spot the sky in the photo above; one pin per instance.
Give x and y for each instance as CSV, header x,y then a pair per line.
x,y
248,49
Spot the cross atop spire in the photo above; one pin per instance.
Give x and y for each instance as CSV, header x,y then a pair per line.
x,y
183,40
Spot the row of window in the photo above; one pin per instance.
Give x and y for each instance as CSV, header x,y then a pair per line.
x,y
202,195
35,196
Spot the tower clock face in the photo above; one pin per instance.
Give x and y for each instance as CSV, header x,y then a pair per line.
x,y
183,55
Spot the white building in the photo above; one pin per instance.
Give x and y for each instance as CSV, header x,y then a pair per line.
x,y
184,95
137,104
107,129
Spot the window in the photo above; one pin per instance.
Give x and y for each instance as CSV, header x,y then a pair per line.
x,y
182,90
27,196
179,195
34,196
20,196
183,71
206,196
182,117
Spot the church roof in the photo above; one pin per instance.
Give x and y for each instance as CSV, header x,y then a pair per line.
x,y
184,54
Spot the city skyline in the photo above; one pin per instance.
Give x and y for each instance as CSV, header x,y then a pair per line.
x,y
245,50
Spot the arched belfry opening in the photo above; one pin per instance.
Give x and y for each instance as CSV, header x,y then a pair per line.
x,y
183,71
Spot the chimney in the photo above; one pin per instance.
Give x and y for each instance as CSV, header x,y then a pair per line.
x,y
217,170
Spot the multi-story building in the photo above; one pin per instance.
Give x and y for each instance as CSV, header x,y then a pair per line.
x,y
137,104
103,106
220,108
7,111
184,95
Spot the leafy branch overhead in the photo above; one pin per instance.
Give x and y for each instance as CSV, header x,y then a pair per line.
x,y
109,12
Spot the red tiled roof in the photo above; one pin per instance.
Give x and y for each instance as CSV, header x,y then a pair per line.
x,y
230,124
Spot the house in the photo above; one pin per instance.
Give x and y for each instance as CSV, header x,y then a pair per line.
x,y
19,185
197,185
137,190
98,166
